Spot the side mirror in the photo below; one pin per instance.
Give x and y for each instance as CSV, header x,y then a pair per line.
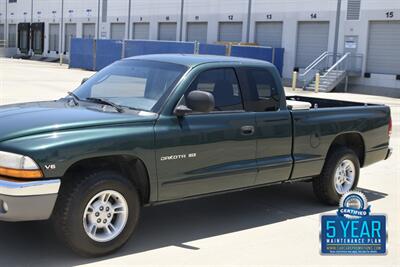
x,y
84,80
196,101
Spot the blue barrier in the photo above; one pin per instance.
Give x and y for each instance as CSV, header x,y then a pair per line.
x,y
212,49
82,54
278,59
107,51
96,54
142,47
273,55
256,52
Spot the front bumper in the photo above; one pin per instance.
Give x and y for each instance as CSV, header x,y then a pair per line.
x,y
27,201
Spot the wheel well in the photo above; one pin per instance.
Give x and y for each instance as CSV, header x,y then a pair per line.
x,y
353,141
129,166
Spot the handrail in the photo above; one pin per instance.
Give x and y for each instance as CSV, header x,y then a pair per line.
x,y
336,64
306,76
326,63
315,63
315,60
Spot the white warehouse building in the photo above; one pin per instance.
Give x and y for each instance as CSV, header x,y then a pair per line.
x,y
367,29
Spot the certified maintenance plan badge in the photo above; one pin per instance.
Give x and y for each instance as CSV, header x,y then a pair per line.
x,y
353,230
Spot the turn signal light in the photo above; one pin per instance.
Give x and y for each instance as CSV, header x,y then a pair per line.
x,y
24,174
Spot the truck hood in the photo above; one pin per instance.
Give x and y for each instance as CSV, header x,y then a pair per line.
x,y
26,119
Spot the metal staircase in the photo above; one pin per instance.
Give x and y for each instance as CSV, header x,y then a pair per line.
x,y
328,81
332,69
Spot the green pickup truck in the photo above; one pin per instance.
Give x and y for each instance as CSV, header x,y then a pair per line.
x,y
159,128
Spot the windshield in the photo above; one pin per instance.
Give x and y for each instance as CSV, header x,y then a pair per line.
x,y
136,84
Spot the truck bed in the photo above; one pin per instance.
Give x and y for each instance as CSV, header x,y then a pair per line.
x,y
327,103
316,128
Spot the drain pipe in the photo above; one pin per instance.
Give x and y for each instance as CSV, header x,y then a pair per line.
x,y
30,33
98,19
31,11
335,44
129,19
248,21
6,27
62,47
181,20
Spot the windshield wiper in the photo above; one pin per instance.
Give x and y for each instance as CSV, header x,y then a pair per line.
x,y
104,101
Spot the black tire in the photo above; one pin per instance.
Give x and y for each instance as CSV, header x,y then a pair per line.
x,y
71,204
323,185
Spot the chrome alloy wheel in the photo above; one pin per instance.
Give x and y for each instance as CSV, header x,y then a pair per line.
x,y
105,216
344,176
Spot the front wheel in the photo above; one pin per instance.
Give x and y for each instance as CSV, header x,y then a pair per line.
x,y
339,175
97,214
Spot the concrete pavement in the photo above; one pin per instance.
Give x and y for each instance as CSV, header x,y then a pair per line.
x,y
277,225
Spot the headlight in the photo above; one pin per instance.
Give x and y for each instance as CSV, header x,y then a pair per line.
x,y
18,166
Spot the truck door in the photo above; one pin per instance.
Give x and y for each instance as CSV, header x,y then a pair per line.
x,y
23,37
37,33
273,123
207,152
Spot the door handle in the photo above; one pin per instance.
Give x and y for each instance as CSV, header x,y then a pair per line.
x,y
247,130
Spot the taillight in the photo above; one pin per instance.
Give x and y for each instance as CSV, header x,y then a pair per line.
x,y
390,127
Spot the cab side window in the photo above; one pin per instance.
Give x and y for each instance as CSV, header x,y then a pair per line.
x,y
261,93
224,86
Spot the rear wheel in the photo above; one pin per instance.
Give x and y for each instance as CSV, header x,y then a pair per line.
x,y
339,175
97,214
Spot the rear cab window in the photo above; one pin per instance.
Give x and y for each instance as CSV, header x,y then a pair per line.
x,y
260,92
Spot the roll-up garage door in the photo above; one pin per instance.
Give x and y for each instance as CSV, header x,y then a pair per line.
x,y
312,41
23,37
269,34
88,30
167,31
383,55
12,35
37,35
54,32
2,35
118,31
230,31
70,32
141,30
196,31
